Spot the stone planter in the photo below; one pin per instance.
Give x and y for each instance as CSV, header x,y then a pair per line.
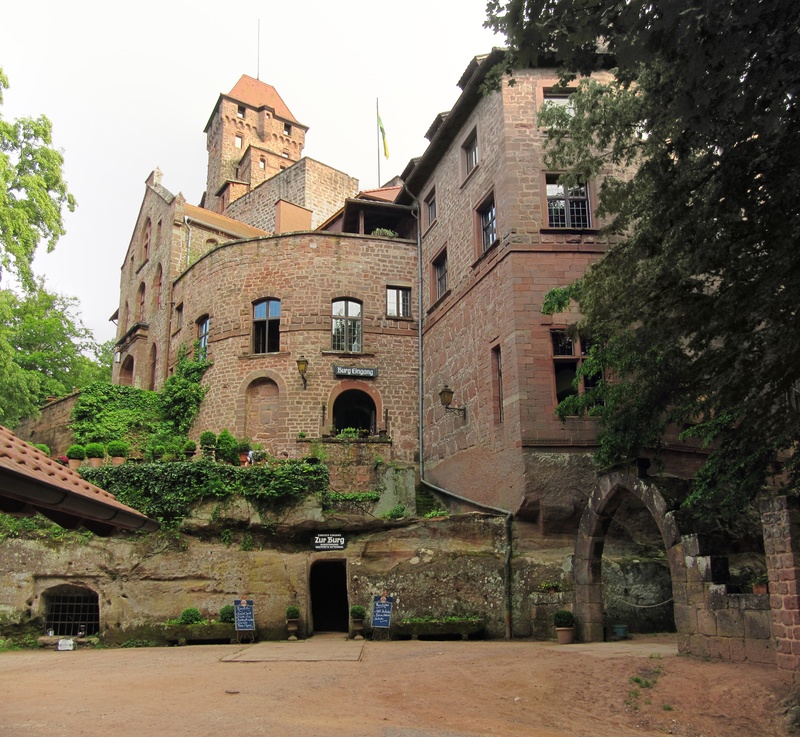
x,y
436,628
292,625
565,635
358,628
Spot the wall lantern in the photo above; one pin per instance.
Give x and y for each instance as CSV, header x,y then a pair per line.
x,y
302,367
446,398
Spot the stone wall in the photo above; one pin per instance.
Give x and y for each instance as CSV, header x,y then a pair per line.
x,y
50,426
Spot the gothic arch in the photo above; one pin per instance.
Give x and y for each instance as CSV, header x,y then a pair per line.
x,y
347,385
597,516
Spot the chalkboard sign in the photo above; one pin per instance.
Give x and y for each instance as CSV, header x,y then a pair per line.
x,y
382,611
243,615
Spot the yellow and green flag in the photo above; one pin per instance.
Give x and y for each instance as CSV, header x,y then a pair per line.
x,y
383,137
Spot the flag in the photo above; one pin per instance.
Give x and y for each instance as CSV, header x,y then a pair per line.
x,y
383,136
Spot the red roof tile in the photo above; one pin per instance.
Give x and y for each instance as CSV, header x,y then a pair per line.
x,y
255,93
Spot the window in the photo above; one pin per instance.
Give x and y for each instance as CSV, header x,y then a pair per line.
x,y
398,301
440,274
158,233
568,354
157,285
267,326
148,227
488,224
262,164
287,129
142,311
497,382
560,96
470,149
238,141
240,111
285,154
567,207
430,208
346,325
203,326
179,316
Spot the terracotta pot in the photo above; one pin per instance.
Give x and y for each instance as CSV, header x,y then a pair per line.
x,y
760,588
565,635
118,460
74,463
95,462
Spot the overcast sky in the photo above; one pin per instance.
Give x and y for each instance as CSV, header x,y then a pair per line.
x,y
130,87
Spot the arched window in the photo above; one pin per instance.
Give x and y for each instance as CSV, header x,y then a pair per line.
x,y
148,227
151,384
346,326
142,312
157,286
126,372
267,326
354,408
203,328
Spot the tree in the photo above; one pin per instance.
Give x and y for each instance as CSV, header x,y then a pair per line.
x,y
695,313
33,192
43,351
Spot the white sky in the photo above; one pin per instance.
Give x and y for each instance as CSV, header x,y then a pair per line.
x,y
131,86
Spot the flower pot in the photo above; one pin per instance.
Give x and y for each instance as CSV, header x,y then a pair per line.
x,y
74,463
760,588
118,460
565,635
95,462
358,629
292,625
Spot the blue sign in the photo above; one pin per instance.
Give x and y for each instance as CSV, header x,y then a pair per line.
x,y
243,614
382,611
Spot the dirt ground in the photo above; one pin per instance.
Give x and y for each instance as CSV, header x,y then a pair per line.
x,y
395,689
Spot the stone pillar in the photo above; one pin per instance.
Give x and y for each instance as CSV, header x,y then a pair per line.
x,y
780,519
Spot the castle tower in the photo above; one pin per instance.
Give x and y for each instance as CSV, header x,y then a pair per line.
x,y
250,136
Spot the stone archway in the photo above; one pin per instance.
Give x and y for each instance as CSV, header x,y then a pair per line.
x,y
595,521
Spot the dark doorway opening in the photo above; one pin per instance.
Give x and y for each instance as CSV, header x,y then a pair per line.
x,y
354,408
328,584
72,611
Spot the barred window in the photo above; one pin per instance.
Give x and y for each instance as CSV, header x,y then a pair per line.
x,y
567,207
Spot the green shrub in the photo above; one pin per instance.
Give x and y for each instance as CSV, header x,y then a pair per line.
x,y
292,612
43,448
118,449
191,615
436,513
243,445
95,450
190,446
76,452
227,448
348,432
357,612
227,613
563,618
397,512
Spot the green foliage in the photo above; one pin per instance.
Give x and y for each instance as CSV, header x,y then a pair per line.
x,y
33,194
95,450
443,619
563,618
106,412
118,448
248,542
357,612
292,612
243,445
42,447
137,643
348,432
301,435
227,448
547,585
436,513
38,527
183,393
385,232
167,491
189,446
696,305
227,613
191,615
396,512
76,452
208,444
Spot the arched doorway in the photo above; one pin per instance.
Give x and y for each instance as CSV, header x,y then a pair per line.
x,y
597,518
126,372
354,408
328,588
71,611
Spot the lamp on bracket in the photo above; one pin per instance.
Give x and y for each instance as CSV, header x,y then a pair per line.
x,y
302,367
446,398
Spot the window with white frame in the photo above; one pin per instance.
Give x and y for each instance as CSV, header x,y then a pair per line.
x,y
567,207
238,141
398,301
267,326
440,275
487,223
430,208
346,328
203,327
470,153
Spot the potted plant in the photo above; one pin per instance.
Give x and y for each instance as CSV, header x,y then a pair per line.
x,y
761,584
189,449
95,453
118,450
292,621
208,444
244,449
227,448
357,615
564,621
41,447
76,454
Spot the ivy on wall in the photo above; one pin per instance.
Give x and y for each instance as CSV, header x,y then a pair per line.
x,y
167,491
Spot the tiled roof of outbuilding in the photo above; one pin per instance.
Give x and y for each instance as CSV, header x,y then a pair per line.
x,y
31,482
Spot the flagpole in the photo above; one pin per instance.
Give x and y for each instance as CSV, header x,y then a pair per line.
x,y
378,131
